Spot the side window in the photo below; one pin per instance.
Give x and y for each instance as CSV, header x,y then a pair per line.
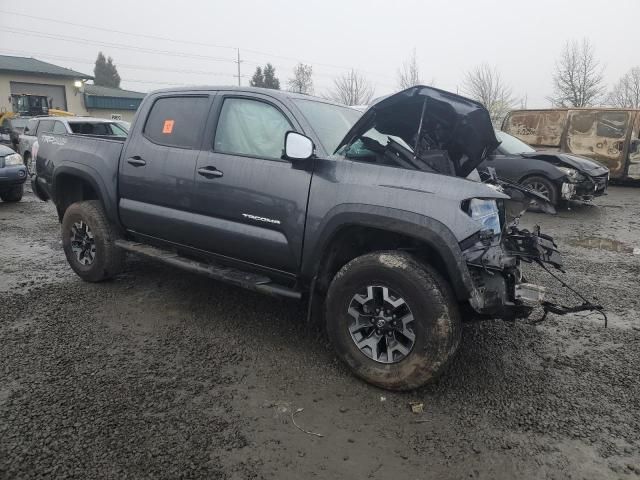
x,y
177,121
58,127
45,126
612,124
252,128
32,126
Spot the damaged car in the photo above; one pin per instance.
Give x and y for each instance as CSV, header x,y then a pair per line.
x,y
560,177
379,221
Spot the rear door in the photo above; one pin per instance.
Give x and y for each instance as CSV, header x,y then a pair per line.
x,y
252,203
158,166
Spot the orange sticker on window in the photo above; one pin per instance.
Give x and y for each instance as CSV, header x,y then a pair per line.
x,y
168,126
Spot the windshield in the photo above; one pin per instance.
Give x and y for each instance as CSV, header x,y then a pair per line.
x,y
330,122
511,145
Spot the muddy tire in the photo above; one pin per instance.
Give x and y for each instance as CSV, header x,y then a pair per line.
x,y
412,300
13,195
544,186
88,242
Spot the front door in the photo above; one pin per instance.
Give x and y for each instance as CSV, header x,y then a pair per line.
x,y
158,167
253,203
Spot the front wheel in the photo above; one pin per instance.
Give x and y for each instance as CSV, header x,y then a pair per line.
x,y
544,187
393,320
13,195
88,240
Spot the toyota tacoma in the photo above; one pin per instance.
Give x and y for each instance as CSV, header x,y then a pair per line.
x,y
378,220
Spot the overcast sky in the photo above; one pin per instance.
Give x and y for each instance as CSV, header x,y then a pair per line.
x,y
199,38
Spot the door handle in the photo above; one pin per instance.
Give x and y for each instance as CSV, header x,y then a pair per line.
x,y
136,161
209,172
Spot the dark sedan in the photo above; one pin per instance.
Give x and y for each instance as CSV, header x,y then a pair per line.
x,y
557,176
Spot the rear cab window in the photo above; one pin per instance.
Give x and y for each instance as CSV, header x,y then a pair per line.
x,y
177,121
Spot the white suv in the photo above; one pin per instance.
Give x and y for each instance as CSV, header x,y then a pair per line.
x,y
65,125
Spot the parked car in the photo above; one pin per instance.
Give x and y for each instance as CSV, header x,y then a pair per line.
x,y
10,131
65,125
607,135
13,174
557,176
296,196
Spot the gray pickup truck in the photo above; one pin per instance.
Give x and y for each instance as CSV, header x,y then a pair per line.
x,y
377,220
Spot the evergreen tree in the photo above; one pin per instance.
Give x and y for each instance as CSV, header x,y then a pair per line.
x,y
270,79
105,72
258,78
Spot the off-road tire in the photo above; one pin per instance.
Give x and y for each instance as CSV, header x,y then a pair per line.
x,y
553,195
109,259
437,324
13,195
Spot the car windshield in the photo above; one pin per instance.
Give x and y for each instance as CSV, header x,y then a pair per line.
x,y
330,122
510,145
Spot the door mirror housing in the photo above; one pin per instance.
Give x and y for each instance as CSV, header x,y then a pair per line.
x,y
297,146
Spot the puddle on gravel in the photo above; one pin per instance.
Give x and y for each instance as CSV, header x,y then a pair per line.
x,y
599,243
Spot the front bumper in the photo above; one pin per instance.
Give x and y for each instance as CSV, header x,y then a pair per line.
x,y
587,189
12,175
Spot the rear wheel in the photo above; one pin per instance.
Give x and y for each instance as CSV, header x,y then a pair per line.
x,y
13,195
392,320
544,187
88,242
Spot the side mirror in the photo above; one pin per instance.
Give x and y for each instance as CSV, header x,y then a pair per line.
x,y
297,146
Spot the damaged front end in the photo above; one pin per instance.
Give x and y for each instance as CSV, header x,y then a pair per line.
x,y
495,257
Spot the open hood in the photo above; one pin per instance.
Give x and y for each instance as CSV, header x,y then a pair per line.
x,y
444,121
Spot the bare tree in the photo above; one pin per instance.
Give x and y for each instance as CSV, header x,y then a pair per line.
x,y
302,81
578,80
409,73
626,93
352,88
484,84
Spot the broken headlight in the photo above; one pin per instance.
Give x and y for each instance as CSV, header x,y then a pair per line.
x,y
572,174
485,212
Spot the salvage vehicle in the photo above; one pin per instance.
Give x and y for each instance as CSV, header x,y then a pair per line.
x,y
371,219
13,174
557,176
67,125
611,136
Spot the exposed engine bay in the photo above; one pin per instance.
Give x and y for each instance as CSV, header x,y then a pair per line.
x,y
510,295
430,130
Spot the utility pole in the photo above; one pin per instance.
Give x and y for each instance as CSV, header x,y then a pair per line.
x,y
238,62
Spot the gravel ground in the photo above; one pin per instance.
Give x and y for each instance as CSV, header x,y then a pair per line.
x,y
163,374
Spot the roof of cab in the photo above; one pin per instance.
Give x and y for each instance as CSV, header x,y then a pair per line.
x,y
265,91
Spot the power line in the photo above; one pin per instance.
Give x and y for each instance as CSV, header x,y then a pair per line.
x,y
125,65
189,42
67,38
92,27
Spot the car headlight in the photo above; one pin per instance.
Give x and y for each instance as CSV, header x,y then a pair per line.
x,y
572,174
485,212
13,159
